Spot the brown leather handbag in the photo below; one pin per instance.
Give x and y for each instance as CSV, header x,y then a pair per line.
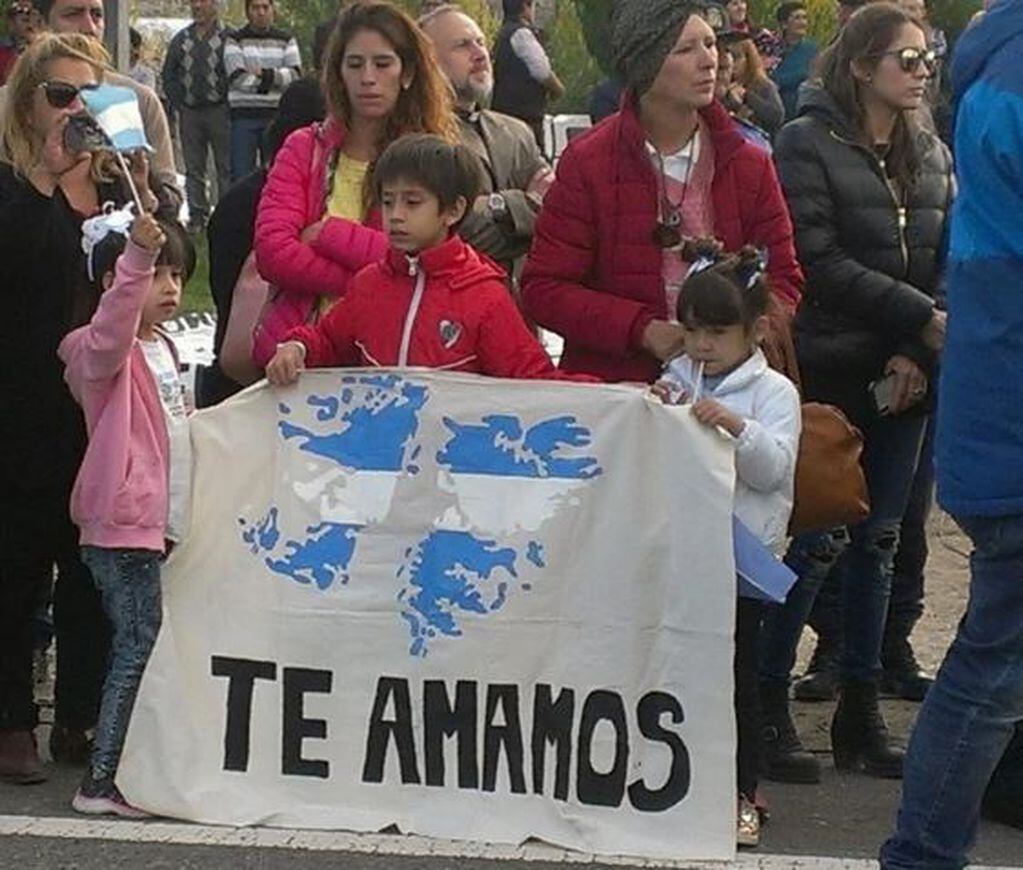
x,y
830,487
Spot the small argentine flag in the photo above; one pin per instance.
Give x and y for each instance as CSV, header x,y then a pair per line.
x,y
116,111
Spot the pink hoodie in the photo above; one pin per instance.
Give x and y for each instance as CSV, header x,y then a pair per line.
x,y
293,198
120,496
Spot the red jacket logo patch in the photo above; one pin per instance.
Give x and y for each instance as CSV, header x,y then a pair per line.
x,y
450,332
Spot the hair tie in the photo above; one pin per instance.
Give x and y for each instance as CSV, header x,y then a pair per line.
x,y
96,229
757,268
700,264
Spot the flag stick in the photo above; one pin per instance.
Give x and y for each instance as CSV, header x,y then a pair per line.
x,y
131,181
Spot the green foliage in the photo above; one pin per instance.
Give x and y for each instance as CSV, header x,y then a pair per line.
x,y
595,19
950,15
953,15
572,60
196,295
483,14
302,17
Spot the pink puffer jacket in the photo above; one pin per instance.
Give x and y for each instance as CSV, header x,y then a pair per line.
x,y
294,197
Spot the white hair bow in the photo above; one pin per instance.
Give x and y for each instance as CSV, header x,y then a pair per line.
x,y
96,229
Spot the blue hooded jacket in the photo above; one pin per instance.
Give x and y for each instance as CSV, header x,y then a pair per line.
x,y
980,407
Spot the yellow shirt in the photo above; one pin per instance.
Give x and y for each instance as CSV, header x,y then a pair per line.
x,y
346,197
345,201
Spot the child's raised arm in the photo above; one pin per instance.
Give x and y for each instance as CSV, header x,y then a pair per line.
x,y
98,350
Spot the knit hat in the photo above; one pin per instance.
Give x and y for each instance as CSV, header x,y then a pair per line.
x,y
643,32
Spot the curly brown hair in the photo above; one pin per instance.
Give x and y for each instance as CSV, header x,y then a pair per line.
x,y
425,105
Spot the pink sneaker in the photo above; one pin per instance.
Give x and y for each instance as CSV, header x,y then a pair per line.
x,y
100,797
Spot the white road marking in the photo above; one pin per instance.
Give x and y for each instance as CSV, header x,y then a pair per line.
x,y
180,834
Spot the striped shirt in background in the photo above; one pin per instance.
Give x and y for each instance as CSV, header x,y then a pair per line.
x,y
193,71
260,65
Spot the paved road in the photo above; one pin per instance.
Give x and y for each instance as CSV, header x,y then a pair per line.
x,y
846,816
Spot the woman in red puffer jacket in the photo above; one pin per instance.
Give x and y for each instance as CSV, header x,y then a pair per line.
x,y
607,260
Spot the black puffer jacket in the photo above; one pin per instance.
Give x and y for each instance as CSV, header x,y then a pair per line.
x,y
872,267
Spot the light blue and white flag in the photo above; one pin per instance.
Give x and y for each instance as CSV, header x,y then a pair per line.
x,y
116,111
761,574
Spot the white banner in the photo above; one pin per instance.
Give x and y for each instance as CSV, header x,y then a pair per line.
x,y
472,608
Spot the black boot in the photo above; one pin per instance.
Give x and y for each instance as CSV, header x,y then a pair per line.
x,y
785,759
859,736
820,682
903,677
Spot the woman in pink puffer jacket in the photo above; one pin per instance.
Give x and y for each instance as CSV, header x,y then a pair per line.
x,y
317,223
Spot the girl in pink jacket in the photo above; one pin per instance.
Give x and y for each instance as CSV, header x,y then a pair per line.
x,y
131,495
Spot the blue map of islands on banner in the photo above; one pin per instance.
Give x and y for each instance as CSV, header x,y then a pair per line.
x,y
370,426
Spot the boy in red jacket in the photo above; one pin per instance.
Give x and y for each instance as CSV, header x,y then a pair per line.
x,y
433,302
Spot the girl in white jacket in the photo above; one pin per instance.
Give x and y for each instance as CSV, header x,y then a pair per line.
x,y
725,376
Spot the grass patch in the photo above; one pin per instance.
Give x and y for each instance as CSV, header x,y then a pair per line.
x,y
196,296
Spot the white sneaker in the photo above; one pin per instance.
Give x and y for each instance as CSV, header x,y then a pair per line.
x,y
747,826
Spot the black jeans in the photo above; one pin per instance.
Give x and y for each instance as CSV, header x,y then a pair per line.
x,y
748,613
35,535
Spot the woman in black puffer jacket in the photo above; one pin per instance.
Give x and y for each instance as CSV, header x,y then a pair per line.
x,y
869,193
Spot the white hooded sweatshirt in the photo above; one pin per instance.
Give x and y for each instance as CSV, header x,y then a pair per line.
x,y
765,452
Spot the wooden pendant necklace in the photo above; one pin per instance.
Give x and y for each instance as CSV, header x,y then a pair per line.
x,y
668,232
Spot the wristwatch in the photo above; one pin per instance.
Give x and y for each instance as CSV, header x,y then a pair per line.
x,y
498,206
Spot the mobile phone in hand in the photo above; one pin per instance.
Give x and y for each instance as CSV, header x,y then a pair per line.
x,y
82,133
882,391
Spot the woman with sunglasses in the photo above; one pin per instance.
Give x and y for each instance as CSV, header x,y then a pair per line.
x,y
318,222
43,190
870,191
608,256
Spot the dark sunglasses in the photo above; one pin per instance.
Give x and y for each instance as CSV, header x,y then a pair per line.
x,y
60,95
911,58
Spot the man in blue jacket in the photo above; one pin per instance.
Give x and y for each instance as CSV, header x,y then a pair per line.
x,y
969,715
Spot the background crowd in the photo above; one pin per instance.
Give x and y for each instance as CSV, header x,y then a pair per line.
x,y
832,160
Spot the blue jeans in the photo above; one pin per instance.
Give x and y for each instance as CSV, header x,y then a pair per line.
x,y
129,584
248,148
1007,780
969,715
862,558
907,602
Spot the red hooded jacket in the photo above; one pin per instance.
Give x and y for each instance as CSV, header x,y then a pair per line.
x,y
594,274
449,308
